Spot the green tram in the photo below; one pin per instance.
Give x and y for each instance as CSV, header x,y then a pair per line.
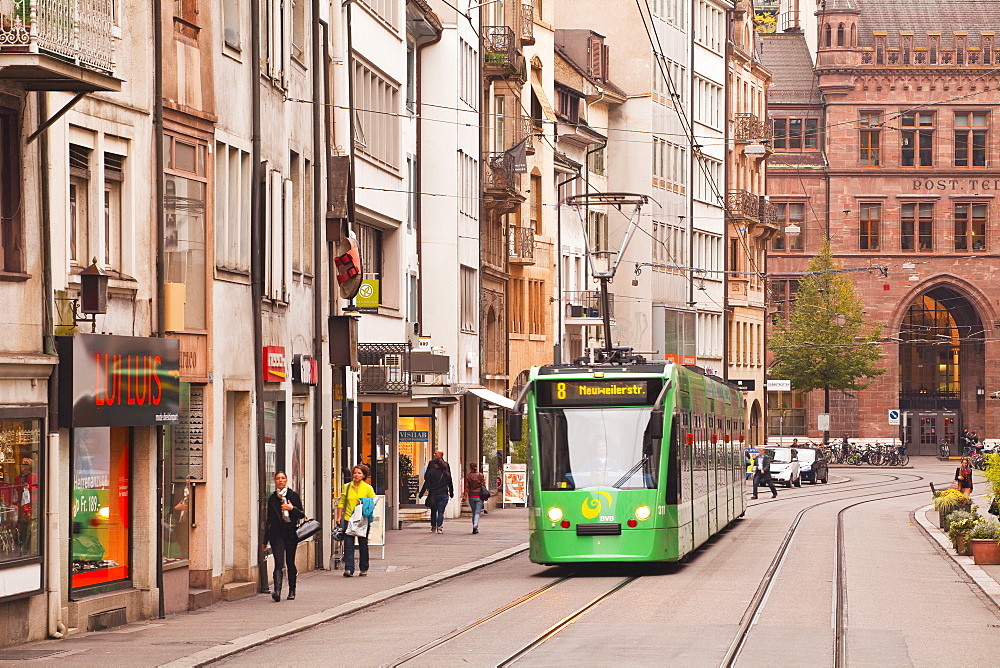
x,y
638,462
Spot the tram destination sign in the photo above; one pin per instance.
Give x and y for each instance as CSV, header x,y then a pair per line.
x,y
612,392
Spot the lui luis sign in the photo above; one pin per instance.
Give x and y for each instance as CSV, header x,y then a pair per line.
x,y
118,381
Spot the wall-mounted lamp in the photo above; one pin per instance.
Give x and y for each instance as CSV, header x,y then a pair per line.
x,y
755,150
792,230
93,296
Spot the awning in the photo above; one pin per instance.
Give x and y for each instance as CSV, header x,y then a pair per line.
x,y
547,112
492,397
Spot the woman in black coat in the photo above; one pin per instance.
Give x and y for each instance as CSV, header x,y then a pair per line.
x,y
439,488
284,512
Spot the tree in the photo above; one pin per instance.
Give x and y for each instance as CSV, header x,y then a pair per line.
x,y
826,344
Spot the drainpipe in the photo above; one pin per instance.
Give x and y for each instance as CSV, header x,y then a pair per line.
x,y
160,186
53,580
257,289
319,253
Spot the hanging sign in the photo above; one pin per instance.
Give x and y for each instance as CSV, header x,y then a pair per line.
x,y
274,364
118,381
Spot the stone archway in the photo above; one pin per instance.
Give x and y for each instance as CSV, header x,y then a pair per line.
x,y
941,369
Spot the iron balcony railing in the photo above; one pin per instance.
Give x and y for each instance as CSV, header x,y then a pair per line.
x,y
588,304
493,245
527,27
743,204
521,243
385,368
768,213
79,31
500,52
500,173
750,128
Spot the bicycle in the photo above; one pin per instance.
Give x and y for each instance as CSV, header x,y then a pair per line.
x,y
944,450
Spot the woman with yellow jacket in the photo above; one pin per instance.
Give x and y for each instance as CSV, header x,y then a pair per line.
x,y
353,492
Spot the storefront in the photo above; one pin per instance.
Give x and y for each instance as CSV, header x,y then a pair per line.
x,y
21,495
114,392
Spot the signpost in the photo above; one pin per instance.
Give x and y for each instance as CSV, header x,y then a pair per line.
x,y
894,420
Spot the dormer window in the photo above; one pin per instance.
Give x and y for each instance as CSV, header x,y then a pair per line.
x,y
598,58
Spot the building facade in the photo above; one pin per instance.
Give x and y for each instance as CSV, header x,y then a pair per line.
x,y
907,99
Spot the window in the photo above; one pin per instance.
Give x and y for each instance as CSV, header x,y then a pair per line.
x,y
679,338
796,133
916,223
299,30
918,144
789,213
274,52
783,292
232,208
708,102
970,139
21,489
412,199
376,102
79,205
707,178
536,203
412,298
499,124
871,217
186,18
595,161
970,227
569,104
468,181
114,175
184,196
387,10
11,214
301,213
597,231
100,538
370,249
871,132
470,299
411,76
231,23
278,239
468,83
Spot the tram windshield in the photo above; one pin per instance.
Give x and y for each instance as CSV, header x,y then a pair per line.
x,y
582,448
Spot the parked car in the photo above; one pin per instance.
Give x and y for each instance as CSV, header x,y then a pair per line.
x,y
785,466
814,465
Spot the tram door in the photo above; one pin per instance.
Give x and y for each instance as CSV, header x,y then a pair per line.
x,y
925,431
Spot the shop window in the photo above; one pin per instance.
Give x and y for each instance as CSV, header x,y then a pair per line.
x,y
20,489
274,441
100,533
183,465
414,434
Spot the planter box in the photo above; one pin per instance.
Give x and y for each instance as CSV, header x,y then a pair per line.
x,y
962,546
943,523
985,551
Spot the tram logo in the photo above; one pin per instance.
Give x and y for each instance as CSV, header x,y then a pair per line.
x,y
592,507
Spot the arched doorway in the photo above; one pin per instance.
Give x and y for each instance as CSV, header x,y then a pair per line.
x,y
941,369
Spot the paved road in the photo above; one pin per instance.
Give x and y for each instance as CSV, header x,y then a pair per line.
x,y
906,601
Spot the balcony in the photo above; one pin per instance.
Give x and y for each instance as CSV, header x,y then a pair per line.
x,y
58,45
521,245
527,27
586,307
501,57
493,246
748,128
743,204
385,368
501,184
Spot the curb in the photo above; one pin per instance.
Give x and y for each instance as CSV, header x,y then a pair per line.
x,y
989,586
246,642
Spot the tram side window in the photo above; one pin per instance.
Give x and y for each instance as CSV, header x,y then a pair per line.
x,y
553,451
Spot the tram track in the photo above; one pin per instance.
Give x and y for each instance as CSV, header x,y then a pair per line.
x,y
754,609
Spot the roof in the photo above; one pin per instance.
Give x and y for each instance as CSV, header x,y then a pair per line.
x,y
922,16
561,51
806,159
786,56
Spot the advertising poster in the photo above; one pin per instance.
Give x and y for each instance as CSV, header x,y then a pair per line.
x,y
515,483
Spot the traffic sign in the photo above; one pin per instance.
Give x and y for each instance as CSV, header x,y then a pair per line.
x,y
894,416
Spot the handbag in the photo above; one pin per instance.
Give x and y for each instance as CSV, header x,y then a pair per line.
x,y
427,500
339,533
358,524
307,529
484,493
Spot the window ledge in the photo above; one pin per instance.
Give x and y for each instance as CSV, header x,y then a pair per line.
x,y
14,276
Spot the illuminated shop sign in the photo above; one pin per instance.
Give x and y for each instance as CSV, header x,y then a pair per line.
x,y
118,381
274,364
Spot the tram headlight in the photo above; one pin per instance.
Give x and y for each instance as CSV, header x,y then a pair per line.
x,y
643,512
554,514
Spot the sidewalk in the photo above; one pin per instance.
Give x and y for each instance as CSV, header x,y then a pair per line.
x,y
987,577
414,558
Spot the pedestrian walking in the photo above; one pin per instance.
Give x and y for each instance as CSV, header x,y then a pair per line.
x,y
353,492
963,475
439,488
474,484
284,512
762,473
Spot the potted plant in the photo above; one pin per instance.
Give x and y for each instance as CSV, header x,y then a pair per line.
x,y
960,523
985,542
948,501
